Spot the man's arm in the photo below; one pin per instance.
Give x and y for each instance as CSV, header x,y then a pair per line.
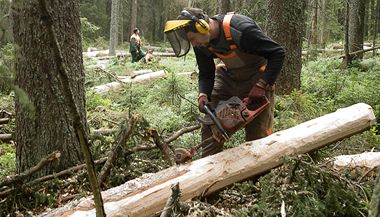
x,y
254,41
206,68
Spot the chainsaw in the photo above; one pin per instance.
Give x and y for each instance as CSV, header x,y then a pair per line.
x,y
228,117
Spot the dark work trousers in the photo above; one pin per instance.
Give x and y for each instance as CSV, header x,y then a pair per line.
x,y
137,55
227,85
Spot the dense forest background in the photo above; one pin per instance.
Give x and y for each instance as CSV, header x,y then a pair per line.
x,y
55,54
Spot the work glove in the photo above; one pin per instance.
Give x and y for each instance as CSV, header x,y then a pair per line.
x,y
257,94
202,100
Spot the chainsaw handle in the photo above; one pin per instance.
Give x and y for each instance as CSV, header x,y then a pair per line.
x,y
216,122
249,115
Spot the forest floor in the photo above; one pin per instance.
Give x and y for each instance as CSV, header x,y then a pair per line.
x,y
305,185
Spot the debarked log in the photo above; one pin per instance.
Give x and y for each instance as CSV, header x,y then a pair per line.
x,y
363,163
6,137
106,87
147,195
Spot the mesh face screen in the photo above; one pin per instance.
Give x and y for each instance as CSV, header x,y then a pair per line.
x,y
178,41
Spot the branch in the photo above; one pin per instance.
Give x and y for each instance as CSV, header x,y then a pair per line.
x,y
172,201
360,51
43,162
125,132
181,132
163,146
68,171
109,74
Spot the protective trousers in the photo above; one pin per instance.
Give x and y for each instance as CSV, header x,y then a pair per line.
x,y
137,55
228,84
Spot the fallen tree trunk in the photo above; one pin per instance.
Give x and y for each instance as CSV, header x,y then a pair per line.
x,y
106,87
146,196
360,51
363,163
6,137
4,120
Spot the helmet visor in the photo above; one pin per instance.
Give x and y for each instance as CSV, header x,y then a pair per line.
x,y
179,42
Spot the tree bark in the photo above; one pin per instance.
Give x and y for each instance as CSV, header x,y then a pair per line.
x,y
133,17
347,58
376,24
43,121
285,24
114,31
147,195
314,23
356,27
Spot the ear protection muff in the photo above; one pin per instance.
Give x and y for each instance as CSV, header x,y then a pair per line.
x,y
200,25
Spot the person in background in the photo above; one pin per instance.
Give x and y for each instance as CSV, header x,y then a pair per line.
x,y
251,63
135,46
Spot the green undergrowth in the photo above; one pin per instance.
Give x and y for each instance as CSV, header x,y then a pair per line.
x,y
305,184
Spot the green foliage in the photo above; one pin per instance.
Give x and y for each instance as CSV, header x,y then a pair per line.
x,y
336,88
296,108
7,160
7,70
306,190
257,10
96,13
94,101
5,25
88,31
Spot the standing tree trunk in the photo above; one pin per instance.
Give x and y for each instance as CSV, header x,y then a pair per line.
x,y
314,23
356,27
347,58
323,23
133,14
114,30
285,24
43,120
308,31
121,21
376,24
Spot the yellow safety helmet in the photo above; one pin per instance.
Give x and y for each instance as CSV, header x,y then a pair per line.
x,y
175,30
173,25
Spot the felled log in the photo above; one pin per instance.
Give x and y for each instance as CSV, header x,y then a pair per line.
x,y
106,87
104,54
361,51
147,195
362,163
4,120
6,137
